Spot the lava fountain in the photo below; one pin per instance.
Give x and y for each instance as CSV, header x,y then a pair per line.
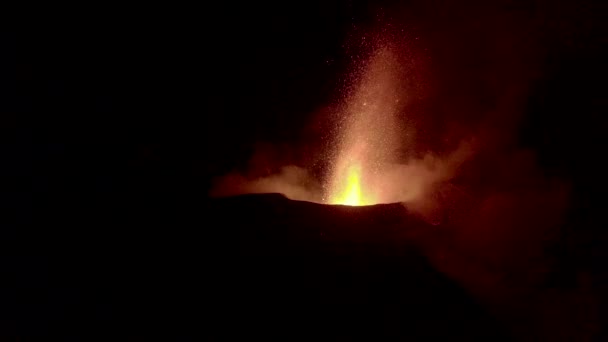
x,y
368,133
350,193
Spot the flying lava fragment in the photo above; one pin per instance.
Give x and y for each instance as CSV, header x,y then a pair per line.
x,y
369,136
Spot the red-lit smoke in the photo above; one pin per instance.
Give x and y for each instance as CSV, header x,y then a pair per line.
x,y
430,119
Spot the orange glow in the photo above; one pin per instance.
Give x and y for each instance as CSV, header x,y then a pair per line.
x,y
349,191
368,134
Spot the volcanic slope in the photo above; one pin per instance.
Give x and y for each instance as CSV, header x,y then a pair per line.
x,y
300,269
172,268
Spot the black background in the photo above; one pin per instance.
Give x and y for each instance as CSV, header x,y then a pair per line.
x,y
137,108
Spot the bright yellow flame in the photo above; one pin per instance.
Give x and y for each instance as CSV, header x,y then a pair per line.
x,y
350,194
349,189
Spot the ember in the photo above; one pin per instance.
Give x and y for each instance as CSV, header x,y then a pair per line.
x,y
369,135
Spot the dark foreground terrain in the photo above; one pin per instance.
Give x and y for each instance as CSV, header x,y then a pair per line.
x,y
258,266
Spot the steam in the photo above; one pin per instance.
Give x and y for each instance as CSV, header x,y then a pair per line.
x,y
292,181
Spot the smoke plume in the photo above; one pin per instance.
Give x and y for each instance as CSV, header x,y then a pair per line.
x,y
430,117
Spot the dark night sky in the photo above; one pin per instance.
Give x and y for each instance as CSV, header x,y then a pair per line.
x,y
189,92
135,102
167,90
161,99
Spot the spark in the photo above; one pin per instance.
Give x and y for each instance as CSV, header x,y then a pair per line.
x,y
367,136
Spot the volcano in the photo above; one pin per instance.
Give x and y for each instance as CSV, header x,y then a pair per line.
x,y
291,269
260,266
255,266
